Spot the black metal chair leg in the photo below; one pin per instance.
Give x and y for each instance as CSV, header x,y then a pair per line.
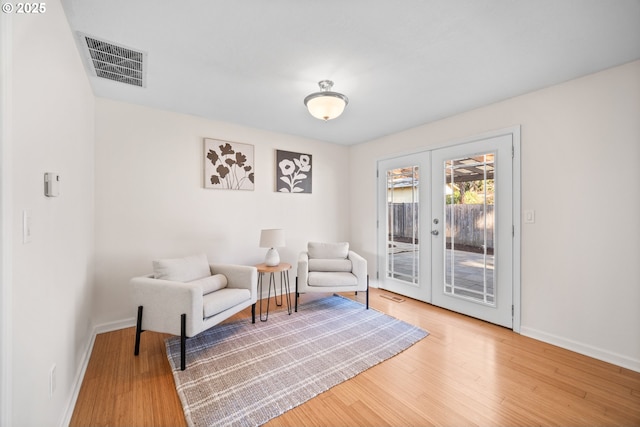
x,y
139,330
297,294
367,296
253,313
183,341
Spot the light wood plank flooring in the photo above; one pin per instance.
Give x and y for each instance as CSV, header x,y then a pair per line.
x,y
466,372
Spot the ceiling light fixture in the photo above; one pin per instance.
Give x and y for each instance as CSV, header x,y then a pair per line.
x,y
326,105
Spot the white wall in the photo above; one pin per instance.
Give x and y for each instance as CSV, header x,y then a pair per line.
x,y
580,173
52,122
151,202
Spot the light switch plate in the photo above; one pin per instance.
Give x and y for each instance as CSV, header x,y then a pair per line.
x,y
51,184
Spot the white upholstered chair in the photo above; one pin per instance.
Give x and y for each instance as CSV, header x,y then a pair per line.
x,y
185,296
331,267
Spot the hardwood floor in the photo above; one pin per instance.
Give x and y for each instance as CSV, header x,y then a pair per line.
x,y
466,372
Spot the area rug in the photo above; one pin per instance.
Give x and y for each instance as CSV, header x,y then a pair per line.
x,y
245,374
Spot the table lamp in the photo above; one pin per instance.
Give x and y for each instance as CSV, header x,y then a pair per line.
x,y
272,239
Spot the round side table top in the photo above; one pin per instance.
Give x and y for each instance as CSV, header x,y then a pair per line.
x,y
264,268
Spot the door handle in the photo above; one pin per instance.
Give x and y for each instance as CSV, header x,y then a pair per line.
x,y
434,232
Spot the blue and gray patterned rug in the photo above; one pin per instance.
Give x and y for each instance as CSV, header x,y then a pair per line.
x,y
245,374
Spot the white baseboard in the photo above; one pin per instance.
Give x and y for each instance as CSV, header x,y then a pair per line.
x,y
585,349
114,326
77,381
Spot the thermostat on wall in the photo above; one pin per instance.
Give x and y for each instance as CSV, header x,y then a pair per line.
x,y
51,184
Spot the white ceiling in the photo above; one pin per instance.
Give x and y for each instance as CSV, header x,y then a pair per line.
x,y
401,63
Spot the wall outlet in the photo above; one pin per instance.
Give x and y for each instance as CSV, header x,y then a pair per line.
x,y
529,217
52,380
26,226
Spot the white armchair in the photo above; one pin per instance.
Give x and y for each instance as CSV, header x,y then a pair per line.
x,y
186,296
331,267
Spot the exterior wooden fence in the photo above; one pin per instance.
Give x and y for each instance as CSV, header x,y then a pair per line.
x,y
403,218
468,227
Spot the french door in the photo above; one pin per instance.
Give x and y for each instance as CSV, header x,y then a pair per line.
x,y
446,227
404,196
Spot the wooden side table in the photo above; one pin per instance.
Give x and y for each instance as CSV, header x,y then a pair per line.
x,y
283,268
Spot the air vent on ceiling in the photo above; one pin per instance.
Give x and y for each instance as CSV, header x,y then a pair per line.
x,y
114,62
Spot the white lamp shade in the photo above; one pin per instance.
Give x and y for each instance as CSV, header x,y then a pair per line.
x,y
272,238
326,107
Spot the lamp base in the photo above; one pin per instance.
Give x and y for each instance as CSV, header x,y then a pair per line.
x,y
273,258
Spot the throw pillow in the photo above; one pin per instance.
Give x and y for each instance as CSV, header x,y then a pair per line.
x,y
328,250
211,283
184,269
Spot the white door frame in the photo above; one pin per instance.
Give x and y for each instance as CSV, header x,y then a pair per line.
x,y
6,379
515,132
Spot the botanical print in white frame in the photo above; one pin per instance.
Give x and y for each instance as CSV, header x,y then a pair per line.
x,y
228,165
293,172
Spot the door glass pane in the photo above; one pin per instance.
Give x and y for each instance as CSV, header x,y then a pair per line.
x,y
469,224
402,224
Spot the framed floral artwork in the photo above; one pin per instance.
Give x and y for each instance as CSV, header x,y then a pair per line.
x,y
293,172
228,165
